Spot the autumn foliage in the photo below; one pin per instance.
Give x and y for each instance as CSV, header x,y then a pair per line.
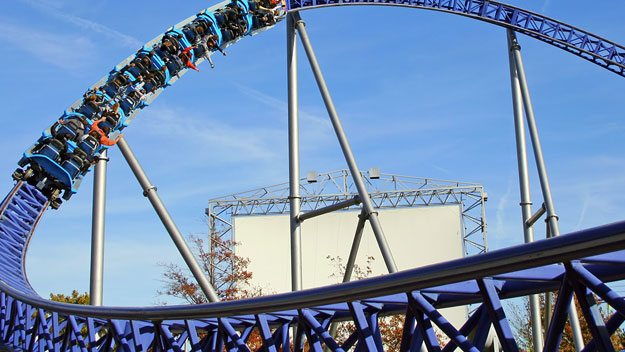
x,y
391,327
73,298
520,321
227,273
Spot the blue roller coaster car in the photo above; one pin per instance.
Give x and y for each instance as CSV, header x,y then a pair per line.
x,y
157,74
209,18
169,49
58,160
204,25
93,102
248,16
117,82
102,105
229,20
182,39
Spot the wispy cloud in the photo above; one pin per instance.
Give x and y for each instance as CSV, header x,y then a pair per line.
x,y
444,171
65,51
282,106
121,38
233,143
582,215
545,6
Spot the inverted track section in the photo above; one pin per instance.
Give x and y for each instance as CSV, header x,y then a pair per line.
x,y
591,47
579,263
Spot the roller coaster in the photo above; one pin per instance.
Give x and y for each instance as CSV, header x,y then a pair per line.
x,y
576,264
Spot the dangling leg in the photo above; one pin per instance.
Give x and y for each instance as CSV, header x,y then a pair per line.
x,y
210,61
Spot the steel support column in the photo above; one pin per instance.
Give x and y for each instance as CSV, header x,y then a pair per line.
x,y
349,267
524,184
97,231
150,191
294,194
328,209
552,218
345,147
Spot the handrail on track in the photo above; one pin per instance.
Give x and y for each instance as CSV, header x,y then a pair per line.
x,y
575,246
580,244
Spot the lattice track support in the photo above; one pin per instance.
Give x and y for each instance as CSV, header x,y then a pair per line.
x,y
30,323
30,328
586,45
21,211
34,328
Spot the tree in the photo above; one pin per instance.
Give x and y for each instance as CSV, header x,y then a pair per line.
x,y
227,273
73,298
391,327
521,322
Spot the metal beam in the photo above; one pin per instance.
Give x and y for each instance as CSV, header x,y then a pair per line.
x,y
532,220
150,191
97,231
351,261
524,183
497,315
345,147
552,218
574,246
330,208
294,194
576,41
558,320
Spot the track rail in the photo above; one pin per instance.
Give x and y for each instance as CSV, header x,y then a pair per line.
x,y
579,42
580,262
30,322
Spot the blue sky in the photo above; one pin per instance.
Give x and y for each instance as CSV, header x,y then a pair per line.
x,y
420,93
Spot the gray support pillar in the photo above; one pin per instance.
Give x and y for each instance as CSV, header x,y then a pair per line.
x,y
548,296
548,310
150,191
524,185
347,151
97,231
294,194
552,218
349,267
575,327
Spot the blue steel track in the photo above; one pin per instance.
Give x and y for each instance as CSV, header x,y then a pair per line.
x,y
579,264
600,51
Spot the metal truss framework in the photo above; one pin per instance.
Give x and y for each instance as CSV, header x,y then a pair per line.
x,y
387,191
580,264
600,51
32,323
